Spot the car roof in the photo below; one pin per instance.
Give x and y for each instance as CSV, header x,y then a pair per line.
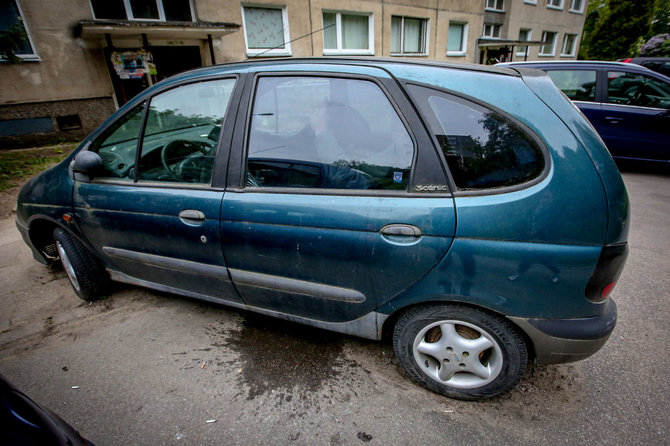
x,y
630,67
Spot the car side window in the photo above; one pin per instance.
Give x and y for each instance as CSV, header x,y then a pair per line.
x,y
117,146
329,133
482,148
182,132
578,85
637,89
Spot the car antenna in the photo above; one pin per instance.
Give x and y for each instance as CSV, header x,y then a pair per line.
x,y
290,41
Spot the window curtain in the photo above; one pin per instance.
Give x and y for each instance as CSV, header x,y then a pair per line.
x,y
455,38
413,36
330,31
396,32
355,32
264,27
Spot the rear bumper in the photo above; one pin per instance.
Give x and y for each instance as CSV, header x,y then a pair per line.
x,y
568,340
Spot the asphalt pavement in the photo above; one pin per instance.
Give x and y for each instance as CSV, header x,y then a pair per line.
x,y
146,368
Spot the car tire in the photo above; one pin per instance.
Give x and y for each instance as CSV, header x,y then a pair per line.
x,y
459,351
87,275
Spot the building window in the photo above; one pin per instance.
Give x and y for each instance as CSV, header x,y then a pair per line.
x,y
348,33
457,39
491,30
11,20
577,6
495,5
408,35
266,30
524,34
548,47
569,45
555,4
152,10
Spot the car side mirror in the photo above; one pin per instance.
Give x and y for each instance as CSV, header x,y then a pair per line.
x,y
85,166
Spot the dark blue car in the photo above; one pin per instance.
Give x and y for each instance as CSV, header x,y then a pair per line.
x,y
472,213
629,105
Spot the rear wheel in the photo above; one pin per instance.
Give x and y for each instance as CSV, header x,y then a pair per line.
x,y
459,351
87,275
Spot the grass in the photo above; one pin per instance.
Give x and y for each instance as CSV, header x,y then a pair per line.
x,y
17,166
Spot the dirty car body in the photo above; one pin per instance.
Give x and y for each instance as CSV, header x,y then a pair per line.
x,y
471,212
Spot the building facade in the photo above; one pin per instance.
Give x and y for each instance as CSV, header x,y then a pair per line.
x,y
82,59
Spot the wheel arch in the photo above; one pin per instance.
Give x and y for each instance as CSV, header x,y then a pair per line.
x,y
389,323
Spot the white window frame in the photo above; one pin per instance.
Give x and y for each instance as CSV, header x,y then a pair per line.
x,y
424,37
577,11
559,7
464,40
33,57
493,8
528,38
573,50
338,34
531,2
553,44
493,27
286,51
159,5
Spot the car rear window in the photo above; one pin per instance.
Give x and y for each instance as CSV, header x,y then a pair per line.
x,y
483,149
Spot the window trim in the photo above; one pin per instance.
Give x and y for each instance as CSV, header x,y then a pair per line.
x,y
531,2
548,162
159,5
493,27
464,40
494,9
32,57
338,34
573,50
219,174
424,37
553,44
529,36
254,52
243,126
557,8
576,11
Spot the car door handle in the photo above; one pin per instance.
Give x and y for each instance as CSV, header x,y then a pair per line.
x,y
613,119
192,217
399,230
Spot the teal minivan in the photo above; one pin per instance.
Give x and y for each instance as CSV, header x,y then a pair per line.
x,y
469,213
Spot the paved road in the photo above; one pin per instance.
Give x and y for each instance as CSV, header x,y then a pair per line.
x,y
154,368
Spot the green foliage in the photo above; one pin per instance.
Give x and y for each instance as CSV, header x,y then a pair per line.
x,y
619,30
10,42
16,166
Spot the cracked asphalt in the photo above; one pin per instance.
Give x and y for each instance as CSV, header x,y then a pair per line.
x,y
152,368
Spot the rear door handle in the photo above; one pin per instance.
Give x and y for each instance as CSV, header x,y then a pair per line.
x,y
613,119
192,217
399,230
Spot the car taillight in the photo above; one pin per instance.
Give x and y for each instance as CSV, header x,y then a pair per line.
x,y
607,272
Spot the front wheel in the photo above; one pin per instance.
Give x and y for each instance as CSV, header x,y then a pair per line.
x,y
460,352
87,275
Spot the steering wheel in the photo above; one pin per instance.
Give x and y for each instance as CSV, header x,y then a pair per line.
x,y
175,153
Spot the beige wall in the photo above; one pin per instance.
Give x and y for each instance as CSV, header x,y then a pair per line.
x,y
539,18
68,68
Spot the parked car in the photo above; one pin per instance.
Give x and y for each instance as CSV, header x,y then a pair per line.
x,y
469,211
629,105
27,423
658,64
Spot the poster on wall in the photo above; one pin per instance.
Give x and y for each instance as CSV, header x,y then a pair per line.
x,y
133,64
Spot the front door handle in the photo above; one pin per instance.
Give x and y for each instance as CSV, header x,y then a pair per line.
x,y
401,231
192,217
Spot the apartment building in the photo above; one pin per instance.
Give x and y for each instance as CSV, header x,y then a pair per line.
x,y
82,59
